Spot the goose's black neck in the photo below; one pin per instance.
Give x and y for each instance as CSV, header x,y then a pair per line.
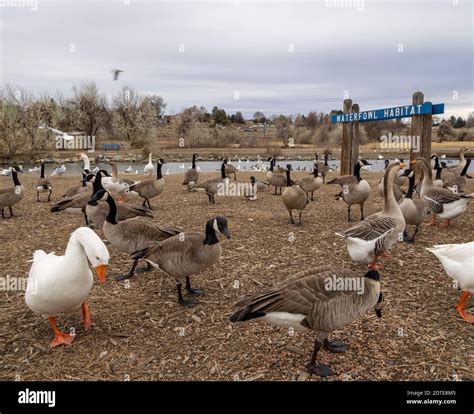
x,y
211,237
315,171
42,170
357,172
436,166
16,181
288,179
97,185
438,173
411,186
112,215
326,160
223,170
271,165
159,176
464,170
372,274
194,161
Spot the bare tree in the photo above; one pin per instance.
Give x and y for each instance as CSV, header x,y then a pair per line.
x,y
283,128
134,116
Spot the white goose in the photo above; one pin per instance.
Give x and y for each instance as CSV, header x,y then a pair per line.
x,y
149,168
87,163
458,262
59,284
59,171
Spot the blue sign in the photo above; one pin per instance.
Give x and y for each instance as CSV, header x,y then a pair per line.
x,y
390,113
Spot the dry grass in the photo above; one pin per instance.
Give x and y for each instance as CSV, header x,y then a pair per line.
x,y
140,332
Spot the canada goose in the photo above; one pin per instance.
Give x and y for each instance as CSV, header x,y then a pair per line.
x,y
59,171
149,168
130,235
43,185
96,211
77,203
186,254
293,197
84,187
12,195
274,178
441,202
413,210
456,185
212,186
445,174
458,262
150,188
355,190
230,169
192,174
323,167
307,301
311,184
379,232
59,284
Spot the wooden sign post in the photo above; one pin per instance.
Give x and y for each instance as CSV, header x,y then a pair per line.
x,y
350,139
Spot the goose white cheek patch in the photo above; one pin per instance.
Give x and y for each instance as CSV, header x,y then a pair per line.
x,y
216,228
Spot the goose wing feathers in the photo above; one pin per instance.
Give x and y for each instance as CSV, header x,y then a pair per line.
x,y
436,197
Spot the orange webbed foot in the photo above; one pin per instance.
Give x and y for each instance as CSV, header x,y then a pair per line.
x,y
86,316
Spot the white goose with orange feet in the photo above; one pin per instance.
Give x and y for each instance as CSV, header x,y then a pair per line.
x,y
59,284
458,262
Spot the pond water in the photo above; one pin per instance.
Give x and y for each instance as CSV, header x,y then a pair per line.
x,y
208,166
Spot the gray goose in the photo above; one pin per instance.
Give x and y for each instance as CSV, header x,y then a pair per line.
x,y
355,190
43,185
323,167
311,184
186,254
274,178
307,302
230,169
397,182
192,175
379,232
12,195
148,189
413,210
212,186
293,197
130,235
441,202
456,185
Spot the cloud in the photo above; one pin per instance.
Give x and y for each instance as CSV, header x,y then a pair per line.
x,y
281,57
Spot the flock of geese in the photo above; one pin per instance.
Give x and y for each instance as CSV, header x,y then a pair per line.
x,y
59,284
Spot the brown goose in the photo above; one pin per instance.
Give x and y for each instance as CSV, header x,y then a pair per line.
x,y
212,186
148,189
275,178
397,182
12,195
43,185
413,210
379,232
312,300
293,197
456,185
355,190
311,184
130,235
186,254
192,175
441,202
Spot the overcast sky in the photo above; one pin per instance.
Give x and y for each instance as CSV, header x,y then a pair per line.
x,y
280,57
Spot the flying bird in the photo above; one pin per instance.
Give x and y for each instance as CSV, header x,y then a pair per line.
x,y
116,73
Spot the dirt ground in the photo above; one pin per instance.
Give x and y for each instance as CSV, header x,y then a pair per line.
x,y
140,332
